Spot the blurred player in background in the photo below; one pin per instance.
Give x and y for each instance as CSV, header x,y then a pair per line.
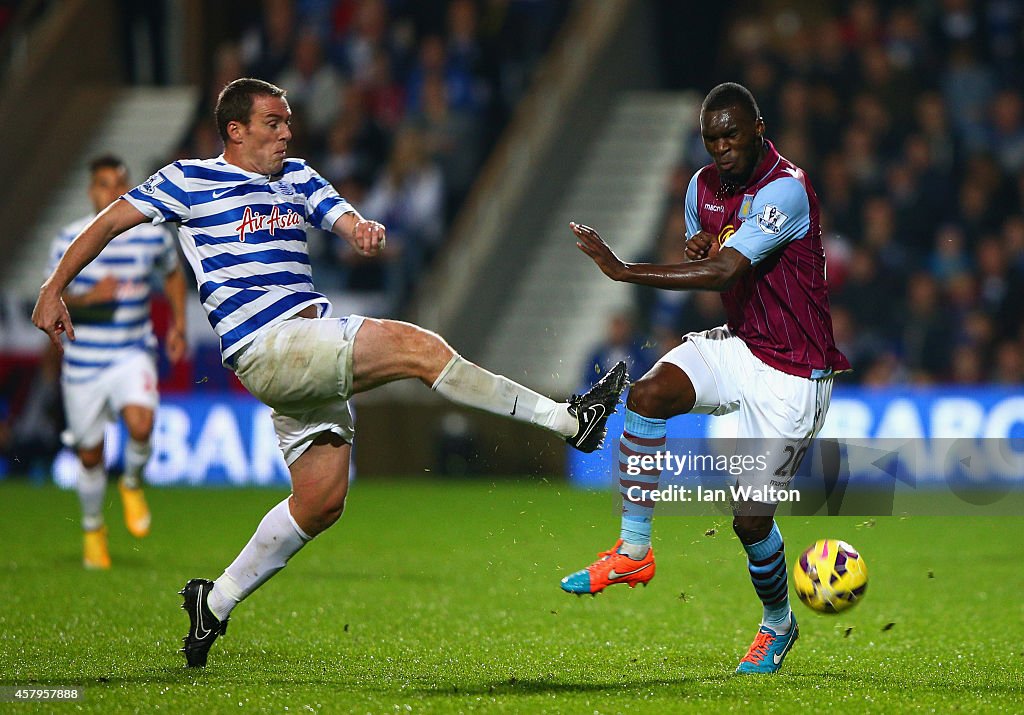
x,y
110,369
243,219
753,235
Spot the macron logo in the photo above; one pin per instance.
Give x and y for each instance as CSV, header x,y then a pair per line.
x,y
716,208
255,221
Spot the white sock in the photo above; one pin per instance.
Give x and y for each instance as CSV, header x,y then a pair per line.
x,y
276,540
92,488
136,454
467,384
634,551
780,628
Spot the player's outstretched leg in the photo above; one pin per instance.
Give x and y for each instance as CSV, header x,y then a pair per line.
x,y
593,407
766,562
388,350
204,627
631,560
582,422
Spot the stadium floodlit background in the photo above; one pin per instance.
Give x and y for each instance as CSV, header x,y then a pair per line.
x,y
475,130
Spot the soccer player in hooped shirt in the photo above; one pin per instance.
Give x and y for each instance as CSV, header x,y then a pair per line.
x,y
110,369
753,235
242,221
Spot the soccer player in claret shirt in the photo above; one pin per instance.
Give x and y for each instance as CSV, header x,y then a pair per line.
x,y
753,234
242,221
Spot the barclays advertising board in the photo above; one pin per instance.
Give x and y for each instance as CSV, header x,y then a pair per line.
x,y
224,441
229,440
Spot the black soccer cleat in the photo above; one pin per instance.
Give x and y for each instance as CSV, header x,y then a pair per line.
x,y
204,626
593,407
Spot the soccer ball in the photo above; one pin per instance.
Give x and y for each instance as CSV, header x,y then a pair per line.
x,y
831,576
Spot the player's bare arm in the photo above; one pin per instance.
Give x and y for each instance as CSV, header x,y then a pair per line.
x,y
50,313
716,273
176,341
366,237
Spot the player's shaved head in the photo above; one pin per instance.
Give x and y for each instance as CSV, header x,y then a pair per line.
x,y
733,131
728,95
234,104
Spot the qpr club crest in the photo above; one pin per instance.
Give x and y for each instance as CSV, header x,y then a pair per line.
x,y
282,187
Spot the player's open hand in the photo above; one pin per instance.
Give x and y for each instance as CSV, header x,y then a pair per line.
x,y
591,243
701,245
368,237
51,316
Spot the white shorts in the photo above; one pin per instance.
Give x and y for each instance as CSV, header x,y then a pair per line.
x,y
302,369
779,413
91,404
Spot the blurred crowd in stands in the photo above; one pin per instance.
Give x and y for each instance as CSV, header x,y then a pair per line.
x,y
909,120
396,102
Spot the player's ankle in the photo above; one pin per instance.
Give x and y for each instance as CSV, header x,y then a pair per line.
x,y
780,626
634,551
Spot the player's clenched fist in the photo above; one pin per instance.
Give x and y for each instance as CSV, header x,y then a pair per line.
x,y
369,237
701,245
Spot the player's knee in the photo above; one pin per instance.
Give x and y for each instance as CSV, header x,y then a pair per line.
x,y
751,528
318,510
325,517
411,351
317,515
91,458
426,351
648,398
141,432
436,352
330,512
139,423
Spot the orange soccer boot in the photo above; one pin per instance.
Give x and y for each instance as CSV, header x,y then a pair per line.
x,y
610,568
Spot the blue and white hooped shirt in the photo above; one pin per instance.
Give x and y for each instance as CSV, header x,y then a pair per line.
x,y
244,235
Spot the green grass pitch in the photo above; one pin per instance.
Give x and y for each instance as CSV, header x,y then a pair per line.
x,y
443,597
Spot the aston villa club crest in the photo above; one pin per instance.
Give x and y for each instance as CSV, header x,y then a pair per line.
x,y
745,206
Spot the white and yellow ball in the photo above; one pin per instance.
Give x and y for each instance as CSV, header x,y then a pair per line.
x,y
830,576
